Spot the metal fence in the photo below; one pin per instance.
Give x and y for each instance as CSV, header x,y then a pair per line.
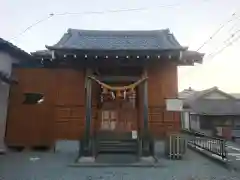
x,y
175,146
200,141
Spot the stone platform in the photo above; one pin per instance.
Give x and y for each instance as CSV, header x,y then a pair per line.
x,y
117,160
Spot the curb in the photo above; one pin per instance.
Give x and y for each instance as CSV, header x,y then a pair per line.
x,y
104,165
94,164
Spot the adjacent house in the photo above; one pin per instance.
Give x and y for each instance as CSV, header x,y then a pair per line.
x,y
9,55
211,111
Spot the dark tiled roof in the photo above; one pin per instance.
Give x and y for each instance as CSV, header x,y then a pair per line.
x,y
199,94
13,50
192,95
187,93
118,40
42,53
216,107
195,102
236,95
189,56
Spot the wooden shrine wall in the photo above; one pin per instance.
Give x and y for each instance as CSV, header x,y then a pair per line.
x,y
162,83
69,111
60,116
62,113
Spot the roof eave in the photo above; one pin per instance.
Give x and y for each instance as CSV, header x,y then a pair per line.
x,y
41,54
14,50
191,57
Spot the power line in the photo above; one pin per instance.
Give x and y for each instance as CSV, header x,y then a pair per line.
x,y
117,10
231,36
32,25
90,12
234,25
96,12
217,31
222,49
225,47
123,10
213,55
226,41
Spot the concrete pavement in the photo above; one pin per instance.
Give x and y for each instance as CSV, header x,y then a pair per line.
x,y
54,166
233,151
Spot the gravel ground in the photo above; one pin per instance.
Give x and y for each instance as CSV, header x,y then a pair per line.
x,y
50,166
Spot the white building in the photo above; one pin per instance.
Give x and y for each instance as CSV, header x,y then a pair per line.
x,y
209,110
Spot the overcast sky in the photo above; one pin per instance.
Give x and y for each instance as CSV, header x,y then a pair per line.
x,y
191,21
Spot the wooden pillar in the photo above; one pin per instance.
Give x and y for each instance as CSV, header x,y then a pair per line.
x,y
147,141
86,145
88,105
145,102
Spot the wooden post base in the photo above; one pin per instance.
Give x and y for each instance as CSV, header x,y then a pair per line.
x,y
86,148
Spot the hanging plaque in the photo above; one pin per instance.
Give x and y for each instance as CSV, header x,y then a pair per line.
x,y
134,135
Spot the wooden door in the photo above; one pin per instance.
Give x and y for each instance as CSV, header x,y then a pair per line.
x,y
109,120
118,116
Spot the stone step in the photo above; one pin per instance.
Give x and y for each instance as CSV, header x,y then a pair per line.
x,y
115,146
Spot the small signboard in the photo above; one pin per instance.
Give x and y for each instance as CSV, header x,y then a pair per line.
x,y
134,135
174,105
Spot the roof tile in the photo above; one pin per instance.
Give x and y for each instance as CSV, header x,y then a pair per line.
x,y
118,40
13,50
